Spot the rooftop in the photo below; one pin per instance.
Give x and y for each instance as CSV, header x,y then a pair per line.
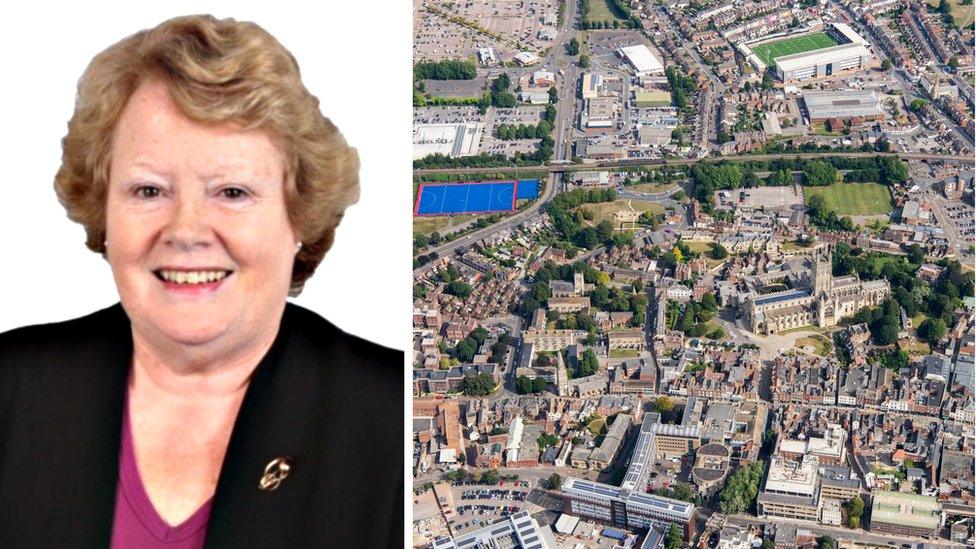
x,y
906,509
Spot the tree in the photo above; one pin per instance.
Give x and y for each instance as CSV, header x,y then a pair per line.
x,y
584,61
886,65
554,482
662,404
538,385
932,330
768,544
490,476
719,251
459,289
588,364
477,385
523,385
827,542
573,48
953,63
553,97
546,440
674,538
855,509
818,172
466,349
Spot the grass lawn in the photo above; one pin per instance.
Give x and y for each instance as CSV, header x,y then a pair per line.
x,y
772,50
653,188
606,210
853,198
961,15
623,353
705,248
915,348
793,245
600,10
428,224
597,426
821,345
918,319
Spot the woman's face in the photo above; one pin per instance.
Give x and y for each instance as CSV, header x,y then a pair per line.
x,y
198,235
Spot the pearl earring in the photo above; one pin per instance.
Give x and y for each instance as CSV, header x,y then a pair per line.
x,y
298,247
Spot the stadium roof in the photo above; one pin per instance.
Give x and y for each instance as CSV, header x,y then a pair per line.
x,y
848,33
842,104
832,54
641,58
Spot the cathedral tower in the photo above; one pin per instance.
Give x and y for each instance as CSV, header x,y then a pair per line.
x,y
822,271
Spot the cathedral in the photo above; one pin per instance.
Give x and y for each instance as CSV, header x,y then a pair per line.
x,y
824,302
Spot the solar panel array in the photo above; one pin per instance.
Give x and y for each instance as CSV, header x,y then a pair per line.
x,y
642,453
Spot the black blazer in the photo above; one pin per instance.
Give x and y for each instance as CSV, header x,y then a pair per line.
x,y
331,401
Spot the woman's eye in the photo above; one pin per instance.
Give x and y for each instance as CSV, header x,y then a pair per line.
x,y
234,193
147,191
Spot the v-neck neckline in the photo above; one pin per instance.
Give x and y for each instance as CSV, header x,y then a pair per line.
x,y
135,493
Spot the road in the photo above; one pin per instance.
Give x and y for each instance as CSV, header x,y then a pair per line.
x,y
840,533
528,213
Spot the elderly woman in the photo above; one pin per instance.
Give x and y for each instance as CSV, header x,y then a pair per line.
x,y
203,410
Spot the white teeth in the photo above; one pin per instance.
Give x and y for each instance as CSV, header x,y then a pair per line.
x,y
192,277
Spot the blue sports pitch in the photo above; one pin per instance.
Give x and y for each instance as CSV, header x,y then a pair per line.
x,y
472,197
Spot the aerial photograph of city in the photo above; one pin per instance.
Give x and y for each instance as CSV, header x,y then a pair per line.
x,y
693,273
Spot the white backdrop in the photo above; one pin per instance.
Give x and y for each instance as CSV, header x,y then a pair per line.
x,y
356,58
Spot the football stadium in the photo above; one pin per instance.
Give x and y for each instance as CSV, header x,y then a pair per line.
x,y
811,55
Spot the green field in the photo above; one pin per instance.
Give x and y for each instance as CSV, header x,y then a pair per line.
x,y
962,15
853,198
800,44
601,10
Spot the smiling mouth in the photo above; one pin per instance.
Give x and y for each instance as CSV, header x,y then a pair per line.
x,y
189,278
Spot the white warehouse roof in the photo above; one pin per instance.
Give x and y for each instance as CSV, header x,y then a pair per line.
x,y
641,58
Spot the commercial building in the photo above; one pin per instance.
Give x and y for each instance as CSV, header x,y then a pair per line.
x,y
830,449
905,514
648,99
839,483
516,531
453,140
641,59
591,85
624,508
843,105
790,490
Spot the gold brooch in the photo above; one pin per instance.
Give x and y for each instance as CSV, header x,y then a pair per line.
x,y
275,472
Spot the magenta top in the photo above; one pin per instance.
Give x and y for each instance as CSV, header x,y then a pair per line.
x,y
137,524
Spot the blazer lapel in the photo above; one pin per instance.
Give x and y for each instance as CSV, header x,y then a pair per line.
x,y
289,397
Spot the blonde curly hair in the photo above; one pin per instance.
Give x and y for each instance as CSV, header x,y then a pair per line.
x,y
222,71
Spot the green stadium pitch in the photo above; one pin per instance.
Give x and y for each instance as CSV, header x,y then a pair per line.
x,y
817,41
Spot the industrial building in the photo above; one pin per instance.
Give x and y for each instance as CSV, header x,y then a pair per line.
x,y
905,514
843,105
517,531
641,59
